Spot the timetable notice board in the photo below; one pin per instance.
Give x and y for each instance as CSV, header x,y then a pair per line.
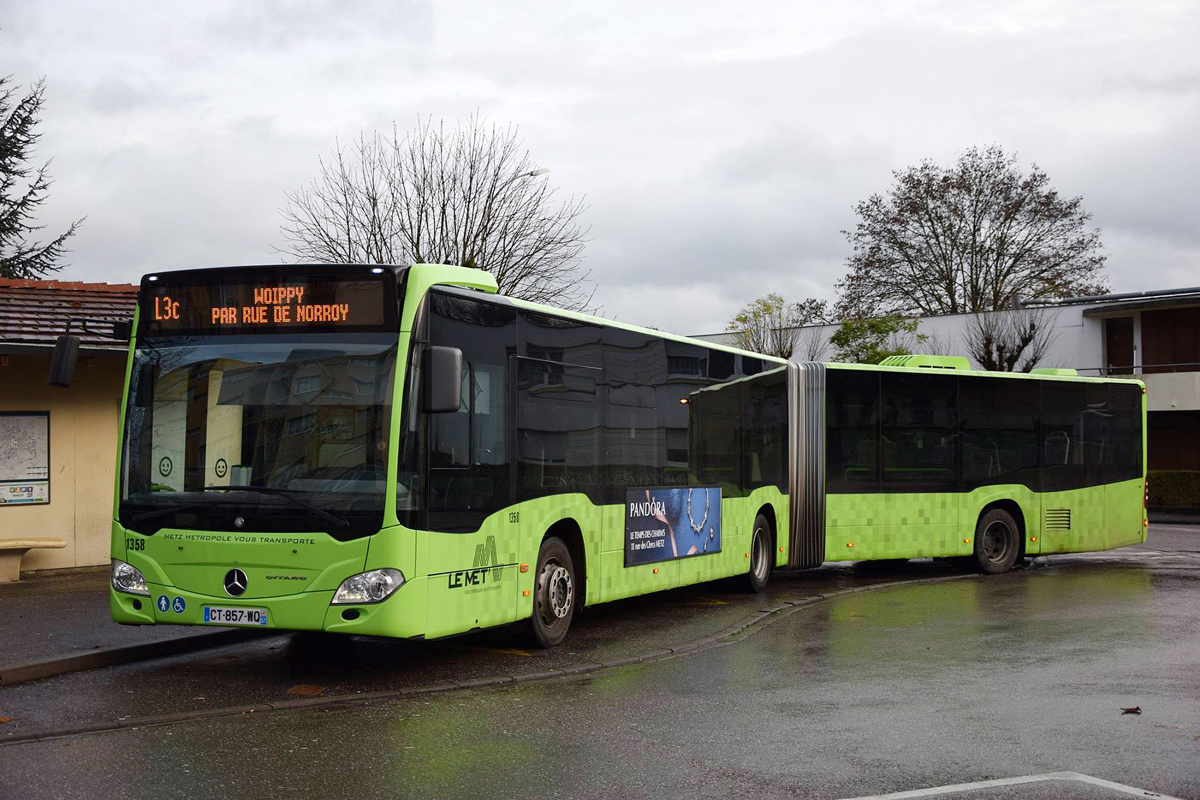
x,y
24,458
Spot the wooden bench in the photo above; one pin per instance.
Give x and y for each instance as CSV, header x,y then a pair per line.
x,y
13,550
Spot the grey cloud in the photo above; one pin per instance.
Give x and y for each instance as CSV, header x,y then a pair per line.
x,y
721,148
296,25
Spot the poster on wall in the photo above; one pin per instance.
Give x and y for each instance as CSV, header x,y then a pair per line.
x,y
668,523
24,458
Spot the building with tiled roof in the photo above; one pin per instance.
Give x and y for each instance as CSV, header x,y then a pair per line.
x,y
71,432
34,313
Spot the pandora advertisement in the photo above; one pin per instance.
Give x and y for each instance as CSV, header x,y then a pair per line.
x,y
665,524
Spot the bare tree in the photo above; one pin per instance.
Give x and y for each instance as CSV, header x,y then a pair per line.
x,y
936,344
768,325
812,343
469,196
972,237
1014,340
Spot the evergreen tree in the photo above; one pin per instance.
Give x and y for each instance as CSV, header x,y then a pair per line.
x,y
23,189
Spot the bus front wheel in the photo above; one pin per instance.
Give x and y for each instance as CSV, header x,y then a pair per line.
x,y
760,556
996,542
553,593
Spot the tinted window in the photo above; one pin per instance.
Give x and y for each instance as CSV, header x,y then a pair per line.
x,y
720,365
764,420
1126,404
687,369
558,428
555,339
469,449
852,416
715,425
1048,435
998,431
919,425
635,445
1099,465
1062,439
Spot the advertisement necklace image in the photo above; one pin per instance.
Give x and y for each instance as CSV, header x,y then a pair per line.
x,y
669,523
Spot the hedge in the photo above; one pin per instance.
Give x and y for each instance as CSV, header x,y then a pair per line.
x,y
1174,488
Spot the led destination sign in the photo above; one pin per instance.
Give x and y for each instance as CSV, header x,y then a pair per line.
x,y
275,304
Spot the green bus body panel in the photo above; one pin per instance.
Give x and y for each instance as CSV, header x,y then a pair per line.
x,y
455,581
937,524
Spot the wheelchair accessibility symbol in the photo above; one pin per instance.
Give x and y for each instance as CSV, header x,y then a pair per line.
x,y
178,605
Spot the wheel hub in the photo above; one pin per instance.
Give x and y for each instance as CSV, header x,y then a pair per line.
x,y
995,542
559,590
760,560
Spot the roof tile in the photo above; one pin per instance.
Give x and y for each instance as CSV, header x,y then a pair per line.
x,y
35,313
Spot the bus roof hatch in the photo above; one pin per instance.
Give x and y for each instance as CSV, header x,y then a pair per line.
x,y
927,362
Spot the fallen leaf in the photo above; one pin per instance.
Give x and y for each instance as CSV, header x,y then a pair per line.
x,y
306,690
1134,710
5,719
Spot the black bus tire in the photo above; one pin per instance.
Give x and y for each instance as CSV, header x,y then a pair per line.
x,y
761,562
554,593
997,542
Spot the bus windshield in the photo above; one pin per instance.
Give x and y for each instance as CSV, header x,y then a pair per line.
x,y
279,432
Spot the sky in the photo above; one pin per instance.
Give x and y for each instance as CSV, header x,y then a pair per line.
x,y
720,147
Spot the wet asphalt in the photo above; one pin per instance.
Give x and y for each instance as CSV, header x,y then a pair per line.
x,y
931,680
67,615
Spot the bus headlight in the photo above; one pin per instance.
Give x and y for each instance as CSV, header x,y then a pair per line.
x,y
128,579
368,587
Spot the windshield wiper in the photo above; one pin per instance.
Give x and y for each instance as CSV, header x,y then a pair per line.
x,y
289,494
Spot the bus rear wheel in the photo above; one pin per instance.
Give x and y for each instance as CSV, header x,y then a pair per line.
x,y
760,556
554,595
996,542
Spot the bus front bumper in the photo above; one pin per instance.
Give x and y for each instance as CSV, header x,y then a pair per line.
x,y
304,611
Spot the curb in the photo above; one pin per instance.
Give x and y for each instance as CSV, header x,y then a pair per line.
x,y
112,656
747,626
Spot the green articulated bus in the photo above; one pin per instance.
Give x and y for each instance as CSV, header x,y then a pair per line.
x,y
399,451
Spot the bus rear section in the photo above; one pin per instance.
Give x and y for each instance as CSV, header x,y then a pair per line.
x,y
934,459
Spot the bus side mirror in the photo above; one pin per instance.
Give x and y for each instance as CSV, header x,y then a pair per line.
x,y
122,330
62,364
441,370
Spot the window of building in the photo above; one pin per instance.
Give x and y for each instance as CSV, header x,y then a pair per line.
x,y
306,383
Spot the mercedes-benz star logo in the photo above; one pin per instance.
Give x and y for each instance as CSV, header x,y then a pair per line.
x,y
235,583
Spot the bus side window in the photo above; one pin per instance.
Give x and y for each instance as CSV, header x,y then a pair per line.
x,y
1063,413
918,436
1126,402
634,441
998,431
558,428
852,414
469,472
